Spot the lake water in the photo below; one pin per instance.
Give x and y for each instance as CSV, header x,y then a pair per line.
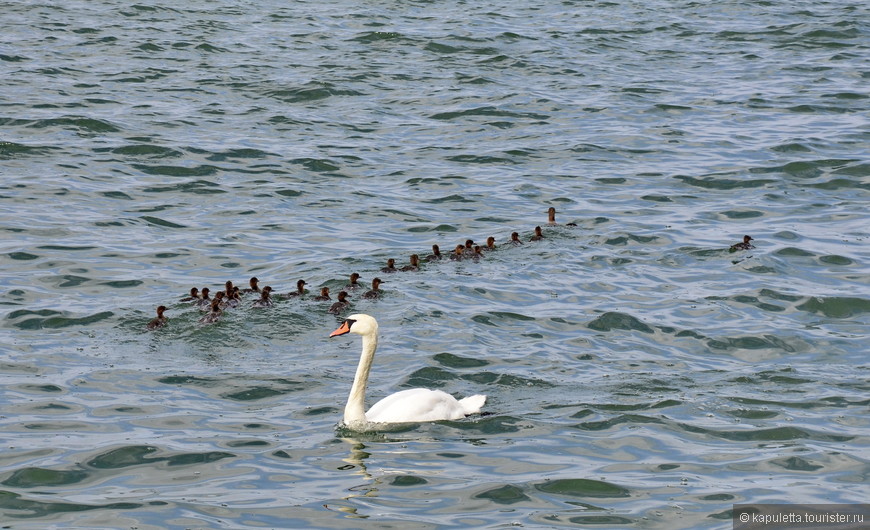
x,y
638,374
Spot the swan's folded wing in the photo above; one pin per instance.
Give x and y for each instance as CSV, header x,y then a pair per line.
x,y
416,405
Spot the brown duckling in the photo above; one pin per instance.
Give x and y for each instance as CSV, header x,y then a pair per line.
x,y
478,253
490,244
435,255
414,266
353,285
515,239
215,313
205,301
254,286
265,298
324,295
746,245
375,292
457,253
300,290
469,247
160,320
340,305
391,266
193,297
539,235
228,291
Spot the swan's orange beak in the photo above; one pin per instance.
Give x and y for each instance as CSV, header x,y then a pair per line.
x,y
344,328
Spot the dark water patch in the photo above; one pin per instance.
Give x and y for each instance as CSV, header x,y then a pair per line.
x,y
240,392
198,187
202,170
12,150
724,184
609,520
157,221
454,361
776,295
247,443
22,256
507,494
773,434
56,321
584,488
491,425
288,193
487,111
372,37
311,93
316,164
15,506
507,380
137,455
752,414
408,481
79,123
633,419
480,159
840,261
146,150
840,183
442,228
742,214
37,477
615,320
449,198
751,300
796,463
855,170
617,407
836,306
753,342
122,284
47,388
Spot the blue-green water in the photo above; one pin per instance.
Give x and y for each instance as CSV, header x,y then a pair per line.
x,y
638,374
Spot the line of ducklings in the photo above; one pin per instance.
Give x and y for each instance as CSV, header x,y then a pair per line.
x,y
231,297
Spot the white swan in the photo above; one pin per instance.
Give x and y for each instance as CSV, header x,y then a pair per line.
x,y
408,406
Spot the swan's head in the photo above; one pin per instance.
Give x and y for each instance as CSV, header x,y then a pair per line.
x,y
360,324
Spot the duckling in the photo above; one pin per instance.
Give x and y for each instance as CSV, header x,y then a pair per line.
x,y
205,301
539,235
265,298
551,218
375,291
216,312
254,287
478,253
490,244
746,245
468,251
324,295
515,239
160,320
300,290
391,266
353,285
414,266
340,305
193,297
435,255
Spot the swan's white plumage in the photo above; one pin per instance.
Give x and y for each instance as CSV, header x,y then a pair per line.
x,y
408,406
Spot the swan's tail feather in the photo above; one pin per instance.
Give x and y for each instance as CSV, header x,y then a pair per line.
x,y
472,404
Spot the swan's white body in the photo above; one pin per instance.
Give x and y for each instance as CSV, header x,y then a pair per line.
x,y
408,406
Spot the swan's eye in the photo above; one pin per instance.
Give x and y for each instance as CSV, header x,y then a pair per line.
x,y
350,322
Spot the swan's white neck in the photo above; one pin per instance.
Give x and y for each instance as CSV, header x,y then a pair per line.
x,y
354,411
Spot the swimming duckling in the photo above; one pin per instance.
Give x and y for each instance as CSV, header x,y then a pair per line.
x,y
324,295
300,290
457,253
228,291
478,253
539,235
215,312
469,247
234,299
490,244
340,305
353,285
375,292
193,297
160,320
391,266
254,287
435,255
551,218
746,245
265,298
205,301
515,239
414,266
